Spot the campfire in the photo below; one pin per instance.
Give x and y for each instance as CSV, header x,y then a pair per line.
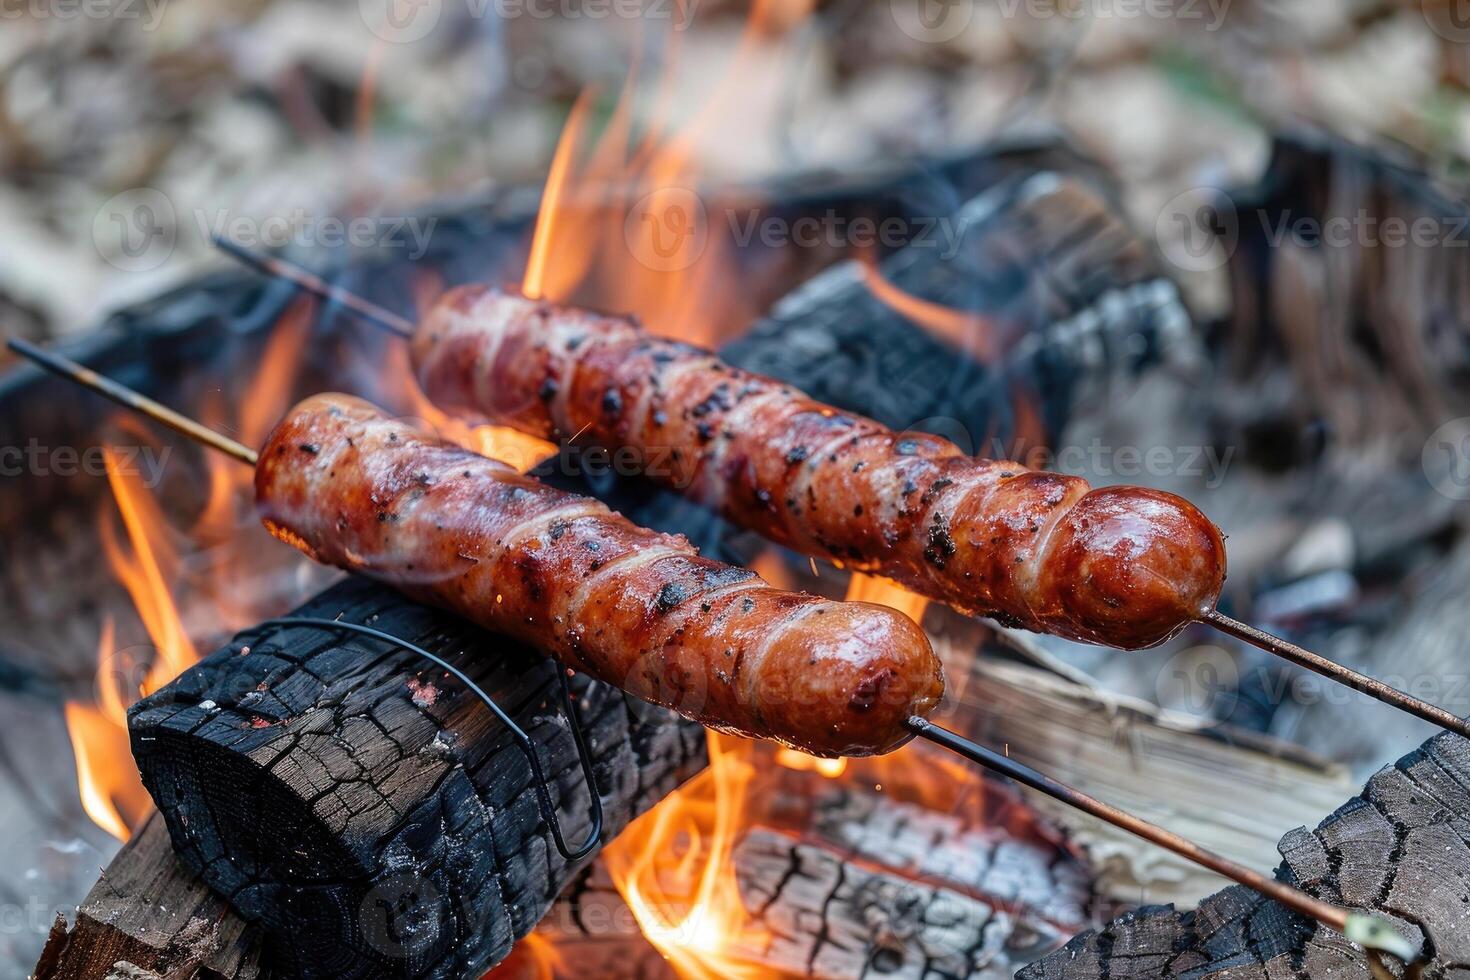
x,y
390,728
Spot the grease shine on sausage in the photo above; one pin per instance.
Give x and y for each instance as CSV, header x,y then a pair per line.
x,y
354,488
1122,566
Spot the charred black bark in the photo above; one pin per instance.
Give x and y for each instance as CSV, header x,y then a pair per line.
x,y
365,809
1050,291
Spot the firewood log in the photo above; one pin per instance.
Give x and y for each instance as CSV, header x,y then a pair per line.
x,y
370,813
1053,293
1400,848
150,915
1349,278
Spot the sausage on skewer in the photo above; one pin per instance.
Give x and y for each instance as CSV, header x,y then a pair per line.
x,y
1123,566
1140,565
354,488
380,479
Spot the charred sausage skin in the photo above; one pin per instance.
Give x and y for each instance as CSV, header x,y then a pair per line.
x,y
354,488
1122,566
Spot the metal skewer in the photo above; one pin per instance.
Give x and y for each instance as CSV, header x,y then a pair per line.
x,y
128,398
1367,930
1363,684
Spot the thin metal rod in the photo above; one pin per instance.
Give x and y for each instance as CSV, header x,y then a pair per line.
x,y
524,741
1362,928
269,265
1344,675
128,398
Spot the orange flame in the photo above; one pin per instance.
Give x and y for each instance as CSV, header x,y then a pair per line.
x,y
770,566
111,792
672,867
112,795
872,588
269,393
106,779
509,446
625,227
801,762
533,957
146,572
970,332
539,267
226,534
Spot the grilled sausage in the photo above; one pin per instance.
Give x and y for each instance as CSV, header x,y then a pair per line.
x,y
354,488
1122,566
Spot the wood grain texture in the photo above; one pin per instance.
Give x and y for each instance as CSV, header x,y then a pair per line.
x,y
366,809
150,915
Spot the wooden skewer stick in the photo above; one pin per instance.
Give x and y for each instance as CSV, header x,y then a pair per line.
x,y
128,398
271,266
1332,670
1367,930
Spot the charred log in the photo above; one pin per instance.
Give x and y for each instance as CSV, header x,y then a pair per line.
x,y
1376,318
149,916
368,812
839,919
1400,848
1051,291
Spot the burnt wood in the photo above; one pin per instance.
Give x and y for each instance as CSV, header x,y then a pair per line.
x,y
1400,848
150,915
1046,266
1347,268
847,883
365,809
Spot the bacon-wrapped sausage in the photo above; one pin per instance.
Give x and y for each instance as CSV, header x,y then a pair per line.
x,y
1122,566
353,488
